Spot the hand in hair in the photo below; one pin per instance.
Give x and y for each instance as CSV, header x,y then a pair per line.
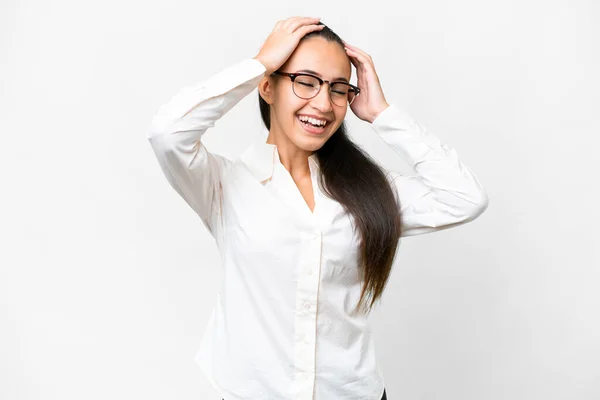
x,y
283,40
371,101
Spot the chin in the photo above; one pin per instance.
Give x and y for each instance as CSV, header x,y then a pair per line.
x,y
311,139
307,143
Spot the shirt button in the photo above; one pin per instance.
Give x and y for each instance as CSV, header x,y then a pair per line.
x,y
310,272
306,305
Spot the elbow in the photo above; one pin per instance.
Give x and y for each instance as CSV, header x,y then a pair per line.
x,y
484,202
479,206
157,130
161,124
154,131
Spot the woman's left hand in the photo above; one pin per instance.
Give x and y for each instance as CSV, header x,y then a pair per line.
x,y
371,102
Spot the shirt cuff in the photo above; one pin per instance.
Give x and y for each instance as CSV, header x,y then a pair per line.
x,y
393,115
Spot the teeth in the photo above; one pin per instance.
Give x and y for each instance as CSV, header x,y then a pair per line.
x,y
312,120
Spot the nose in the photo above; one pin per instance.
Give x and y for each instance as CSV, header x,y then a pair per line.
x,y
322,101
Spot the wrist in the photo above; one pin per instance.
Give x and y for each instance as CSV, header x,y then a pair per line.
x,y
379,109
268,71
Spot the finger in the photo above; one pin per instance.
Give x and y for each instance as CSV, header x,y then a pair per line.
x,y
287,22
349,45
359,51
306,29
352,58
355,56
355,63
300,21
360,68
365,61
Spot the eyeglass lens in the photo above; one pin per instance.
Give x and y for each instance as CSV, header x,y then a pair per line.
x,y
307,87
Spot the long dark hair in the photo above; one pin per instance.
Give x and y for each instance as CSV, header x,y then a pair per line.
x,y
359,184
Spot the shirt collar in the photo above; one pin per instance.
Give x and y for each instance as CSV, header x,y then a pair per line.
x,y
260,158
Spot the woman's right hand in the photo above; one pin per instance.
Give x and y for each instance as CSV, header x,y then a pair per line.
x,y
283,40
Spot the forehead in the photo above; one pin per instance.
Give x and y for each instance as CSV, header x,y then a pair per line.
x,y
325,57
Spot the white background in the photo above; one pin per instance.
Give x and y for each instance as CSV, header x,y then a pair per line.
x,y
107,277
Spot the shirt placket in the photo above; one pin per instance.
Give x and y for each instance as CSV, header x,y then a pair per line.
x,y
306,318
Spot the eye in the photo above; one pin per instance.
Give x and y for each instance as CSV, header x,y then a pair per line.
x,y
340,89
307,81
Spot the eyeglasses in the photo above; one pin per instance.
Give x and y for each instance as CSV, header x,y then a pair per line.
x,y
307,86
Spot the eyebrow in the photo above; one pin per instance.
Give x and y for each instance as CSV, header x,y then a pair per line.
x,y
310,71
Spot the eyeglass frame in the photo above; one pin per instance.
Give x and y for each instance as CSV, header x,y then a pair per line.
x,y
293,76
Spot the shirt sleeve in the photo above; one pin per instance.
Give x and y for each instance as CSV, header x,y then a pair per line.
x,y
444,192
177,128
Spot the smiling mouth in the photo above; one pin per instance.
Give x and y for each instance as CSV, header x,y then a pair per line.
x,y
326,122
312,129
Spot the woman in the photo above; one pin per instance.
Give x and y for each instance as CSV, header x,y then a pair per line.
x,y
306,222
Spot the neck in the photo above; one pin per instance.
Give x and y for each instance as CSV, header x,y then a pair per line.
x,y
292,157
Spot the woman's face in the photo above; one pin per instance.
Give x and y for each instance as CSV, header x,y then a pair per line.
x,y
330,62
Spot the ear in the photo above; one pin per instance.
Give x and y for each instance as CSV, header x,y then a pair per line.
x,y
265,88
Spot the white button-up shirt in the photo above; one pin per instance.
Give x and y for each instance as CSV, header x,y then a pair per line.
x,y
283,325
